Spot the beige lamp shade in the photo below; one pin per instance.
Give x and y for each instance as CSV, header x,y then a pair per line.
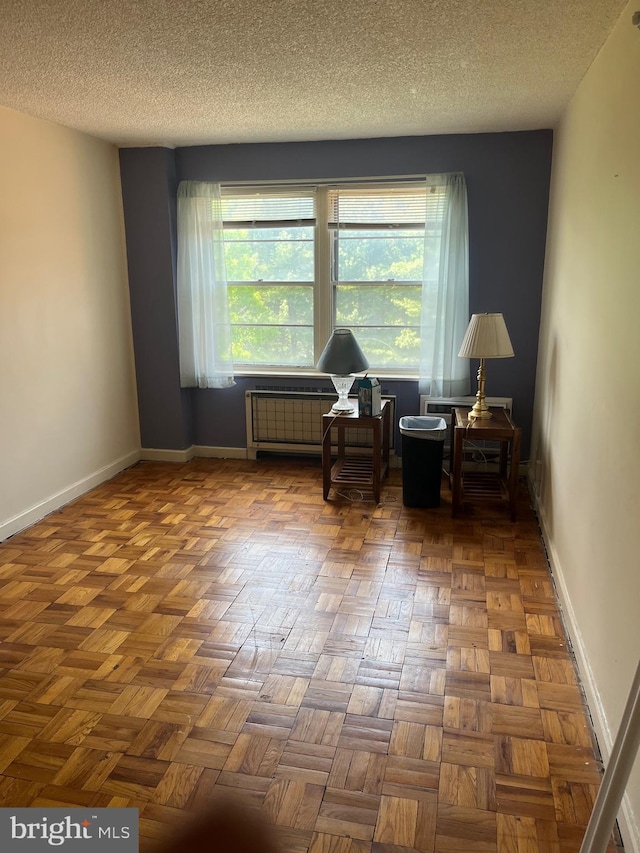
x,y
486,337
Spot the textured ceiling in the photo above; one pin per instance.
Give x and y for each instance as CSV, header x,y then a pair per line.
x,y
185,72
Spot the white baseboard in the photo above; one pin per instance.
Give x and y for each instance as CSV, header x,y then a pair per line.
x,y
220,452
151,454
14,525
626,819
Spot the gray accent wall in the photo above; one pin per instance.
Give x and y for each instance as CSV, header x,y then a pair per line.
x,y
149,196
507,176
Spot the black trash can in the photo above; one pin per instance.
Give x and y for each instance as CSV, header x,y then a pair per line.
x,y
422,446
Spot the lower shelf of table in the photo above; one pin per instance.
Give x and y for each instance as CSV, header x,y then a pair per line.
x,y
355,472
484,486
481,487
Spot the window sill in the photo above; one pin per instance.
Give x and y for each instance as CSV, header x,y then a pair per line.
x,y
292,373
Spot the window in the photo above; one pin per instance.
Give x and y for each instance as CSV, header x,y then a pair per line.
x,y
377,267
302,261
269,240
264,275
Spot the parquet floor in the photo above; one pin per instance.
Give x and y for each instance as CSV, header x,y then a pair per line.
x,y
371,678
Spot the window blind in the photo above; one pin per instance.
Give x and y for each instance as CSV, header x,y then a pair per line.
x,y
407,206
268,210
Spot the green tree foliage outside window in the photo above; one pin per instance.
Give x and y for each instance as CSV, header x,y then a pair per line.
x,y
376,276
271,277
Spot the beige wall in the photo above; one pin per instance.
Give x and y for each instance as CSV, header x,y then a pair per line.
x,y
586,445
67,387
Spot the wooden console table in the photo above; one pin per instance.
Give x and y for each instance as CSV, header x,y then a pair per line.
x,y
356,472
472,486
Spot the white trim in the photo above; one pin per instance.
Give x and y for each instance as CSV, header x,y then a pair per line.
x,y
156,454
626,819
305,183
341,182
30,516
323,290
273,372
203,450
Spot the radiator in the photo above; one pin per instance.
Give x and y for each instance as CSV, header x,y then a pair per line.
x,y
291,422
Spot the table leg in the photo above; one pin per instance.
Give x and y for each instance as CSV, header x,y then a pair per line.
x,y
386,437
504,448
377,458
514,473
456,478
326,463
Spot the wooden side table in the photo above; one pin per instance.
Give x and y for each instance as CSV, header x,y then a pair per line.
x,y
356,472
502,486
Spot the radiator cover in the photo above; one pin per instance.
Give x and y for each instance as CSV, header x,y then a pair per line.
x,y
291,422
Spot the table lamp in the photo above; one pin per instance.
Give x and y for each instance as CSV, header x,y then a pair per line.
x,y
486,337
341,358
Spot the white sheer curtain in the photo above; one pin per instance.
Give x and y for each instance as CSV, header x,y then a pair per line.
x,y
445,289
203,311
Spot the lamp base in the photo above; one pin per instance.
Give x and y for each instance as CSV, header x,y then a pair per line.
x,y
342,384
478,413
348,410
480,410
